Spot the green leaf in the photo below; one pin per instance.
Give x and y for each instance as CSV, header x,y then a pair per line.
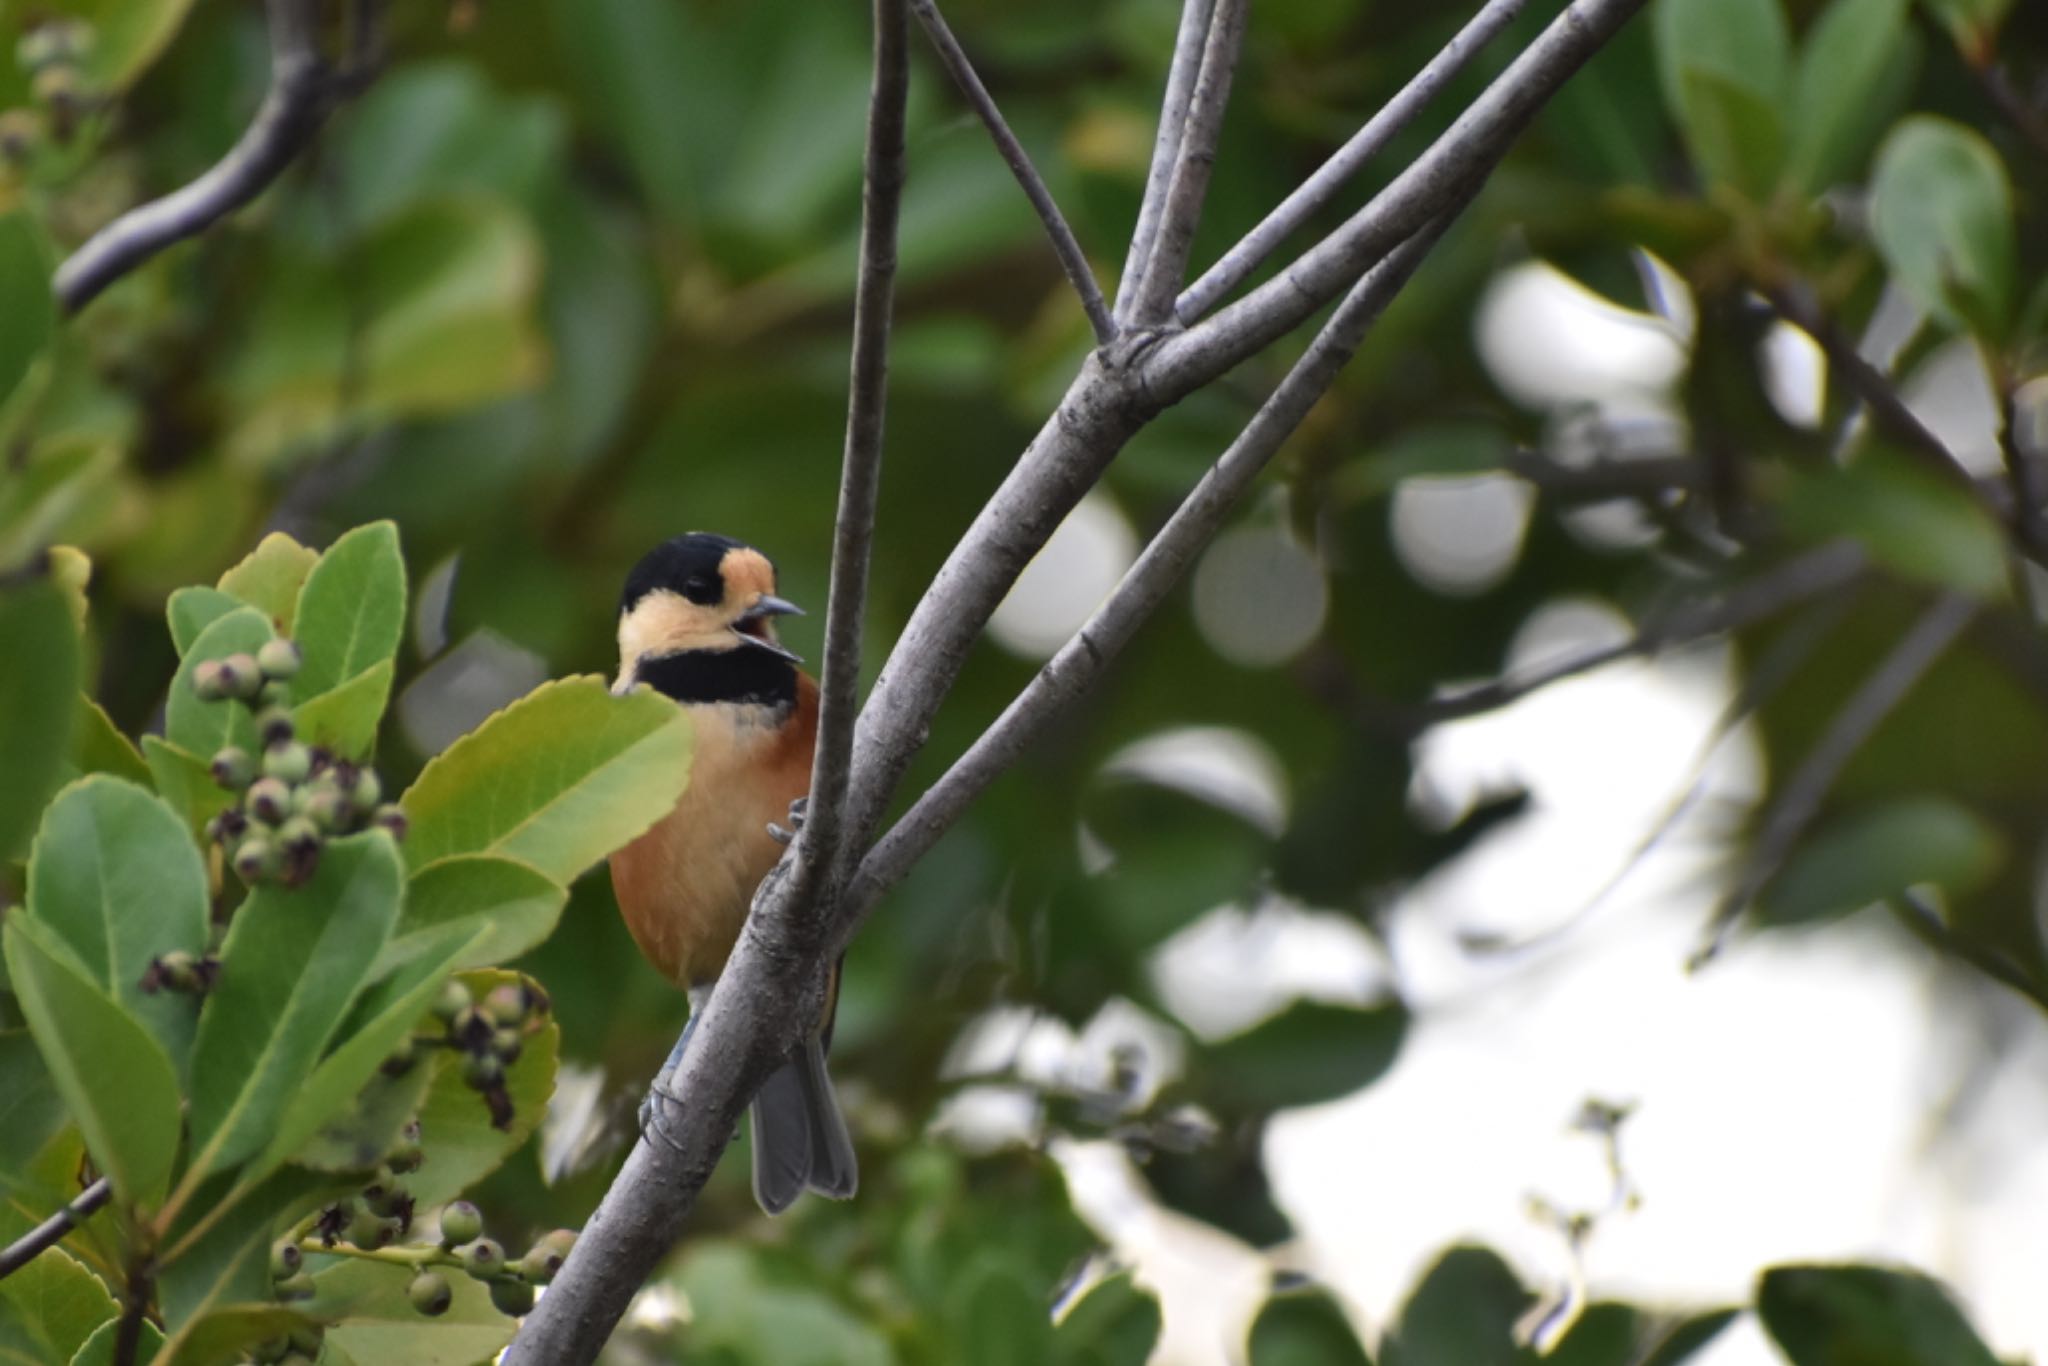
x,y
355,1140
28,310
99,1348
351,611
462,1146
116,1080
1464,1311
1304,1330
1879,853
127,35
1974,24
1723,66
558,780
1736,137
293,960
31,1111
515,906
996,1310
1688,1337
345,719
184,780
1853,71
37,686
745,1315
60,1301
115,876
202,728
227,1333
385,1016
1865,1316
98,746
374,1321
192,610
1308,1054
219,1250
1113,1321
1941,214
1909,521
270,578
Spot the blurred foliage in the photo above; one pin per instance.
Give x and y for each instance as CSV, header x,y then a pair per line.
x,y
574,276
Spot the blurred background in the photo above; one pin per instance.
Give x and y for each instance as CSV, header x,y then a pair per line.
x,y
1353,1024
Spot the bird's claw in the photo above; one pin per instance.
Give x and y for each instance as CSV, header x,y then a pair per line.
x,y
784,835
653,1108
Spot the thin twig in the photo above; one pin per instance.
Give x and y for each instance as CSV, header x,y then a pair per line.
x,y
1173,112
134,1306
52,1230
1465,154
1237,264
1799,801
2018,445
2010,101
1174,239
861,466
1926,923
1072,260
303,90
1073,670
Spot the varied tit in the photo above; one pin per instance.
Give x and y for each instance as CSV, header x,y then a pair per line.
x,y
697,622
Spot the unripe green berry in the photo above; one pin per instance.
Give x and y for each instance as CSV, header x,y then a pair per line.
x,y
370,1230
270,801
307,1339
401,1059
54,40
405,1156
257,860
391,817
271,1350
506,1005
513,1298
461,1223
505,1046
208,681
430,1293
482,1258
297,832
540,1264
274,726
327,809
178,970
387,1198
20,131
279,659
291,762
366,792
239,675
285,1261
233,769
483,1070
298,1287
453,1000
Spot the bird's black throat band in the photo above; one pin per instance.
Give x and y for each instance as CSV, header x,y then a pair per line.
x,y
742,675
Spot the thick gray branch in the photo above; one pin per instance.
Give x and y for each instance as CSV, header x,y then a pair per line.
x,y
1237,264
303,91
1467,151
1174,236
1173,113
1076,667
1072,260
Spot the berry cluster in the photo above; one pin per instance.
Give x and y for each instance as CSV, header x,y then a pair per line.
x,y
293,797
489,1033
53,54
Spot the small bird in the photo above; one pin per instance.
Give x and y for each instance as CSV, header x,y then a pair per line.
x,y
697,623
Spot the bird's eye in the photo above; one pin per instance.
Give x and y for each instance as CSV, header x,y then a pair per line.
x,y
700,589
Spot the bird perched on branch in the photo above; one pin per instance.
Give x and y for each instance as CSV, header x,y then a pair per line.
x,y
697,622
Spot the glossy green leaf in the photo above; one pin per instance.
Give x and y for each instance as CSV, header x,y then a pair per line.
x,y
293,960
384,1017
115,1079
114,875
36,704
356,1139
1308,1054
60,1302
1687,1338
98,746
1909,521
71,492
1736,136
227,1333
375,1321
1304,1330
1865,1316
996,1311
1464,1310
99,1348
31,1111
71,570
345,719
515,907
184,780
218,1253
557,780
28,311
462,1145
1879,853
351,611
201,728
1853,71
1114,1321
192,610
744,1314
1941,214
270,577
1724,66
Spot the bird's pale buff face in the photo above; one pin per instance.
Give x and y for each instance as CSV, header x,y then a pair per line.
x,y
665,622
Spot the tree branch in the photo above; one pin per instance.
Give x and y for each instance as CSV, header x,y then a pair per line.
x,y
1174,238
1076,667
303,90
1072,260
1237,264
1798,802
52,1230
1173,112
1467,152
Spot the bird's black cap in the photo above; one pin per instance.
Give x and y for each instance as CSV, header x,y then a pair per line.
x,y
687,565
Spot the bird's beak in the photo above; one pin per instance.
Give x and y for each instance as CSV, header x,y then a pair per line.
x,y
768,605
